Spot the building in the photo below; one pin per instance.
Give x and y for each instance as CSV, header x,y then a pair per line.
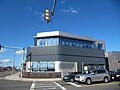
x,y
62,52
114,60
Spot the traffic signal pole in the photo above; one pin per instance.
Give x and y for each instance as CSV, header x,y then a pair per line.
x,y
53,9
15,48
49,13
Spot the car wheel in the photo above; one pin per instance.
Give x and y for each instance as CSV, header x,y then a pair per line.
x,y
71,80
88,81
106,80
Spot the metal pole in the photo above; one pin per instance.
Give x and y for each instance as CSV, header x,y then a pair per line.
x,y
22,61
13,62
54,5
30,62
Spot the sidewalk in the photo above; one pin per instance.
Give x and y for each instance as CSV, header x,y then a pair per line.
x,y
16,77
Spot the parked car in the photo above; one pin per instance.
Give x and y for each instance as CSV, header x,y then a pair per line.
x,y
116,75
70,76
111,75
92,76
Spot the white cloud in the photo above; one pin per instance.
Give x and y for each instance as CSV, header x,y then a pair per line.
x,y
5,61
19,52
36,12
28,8
70,10
41,15
2,50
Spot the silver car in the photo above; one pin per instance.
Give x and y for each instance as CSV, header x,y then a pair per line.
x,y
92,76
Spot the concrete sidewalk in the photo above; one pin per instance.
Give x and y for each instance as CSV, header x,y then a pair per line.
x,y
16,77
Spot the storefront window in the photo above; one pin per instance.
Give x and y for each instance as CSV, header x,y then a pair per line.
x,y
43,66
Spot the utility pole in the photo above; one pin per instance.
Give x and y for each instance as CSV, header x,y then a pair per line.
x,y
13,62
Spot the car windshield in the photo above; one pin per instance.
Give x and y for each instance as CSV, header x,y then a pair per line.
x,y
117,73
86,72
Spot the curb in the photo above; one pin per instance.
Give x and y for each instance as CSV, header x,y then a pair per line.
x,y
31,79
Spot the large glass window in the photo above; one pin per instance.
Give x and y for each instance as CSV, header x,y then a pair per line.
x,y
75,43
43,66
47,41
67,42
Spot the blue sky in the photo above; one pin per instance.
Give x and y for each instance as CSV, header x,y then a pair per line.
x,y
20,20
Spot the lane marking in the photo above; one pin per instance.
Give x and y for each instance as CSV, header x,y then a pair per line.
x,y
46,86
52,88
74,84
63,88
33,85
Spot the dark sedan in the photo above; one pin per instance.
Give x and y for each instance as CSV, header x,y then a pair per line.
x,y
116,76
70,77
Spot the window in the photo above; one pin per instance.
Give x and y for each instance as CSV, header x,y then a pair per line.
x,y
66,42
73,44
100,46
86,72
77,44
47,41
70,43
63,42
84,45
43,66
51,66
101,71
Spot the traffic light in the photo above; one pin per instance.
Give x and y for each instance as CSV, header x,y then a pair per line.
x,y
47,16
0,47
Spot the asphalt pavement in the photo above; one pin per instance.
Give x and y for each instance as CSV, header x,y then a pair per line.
x,y
14,85
4,74
14,82
55,85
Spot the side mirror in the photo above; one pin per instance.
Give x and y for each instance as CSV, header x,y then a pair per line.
x,y
92,73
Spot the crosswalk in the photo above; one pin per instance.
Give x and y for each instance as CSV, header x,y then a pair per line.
x,y
44,86
52,85
60,85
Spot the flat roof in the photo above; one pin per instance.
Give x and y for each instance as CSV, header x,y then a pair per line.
x,y
63,34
